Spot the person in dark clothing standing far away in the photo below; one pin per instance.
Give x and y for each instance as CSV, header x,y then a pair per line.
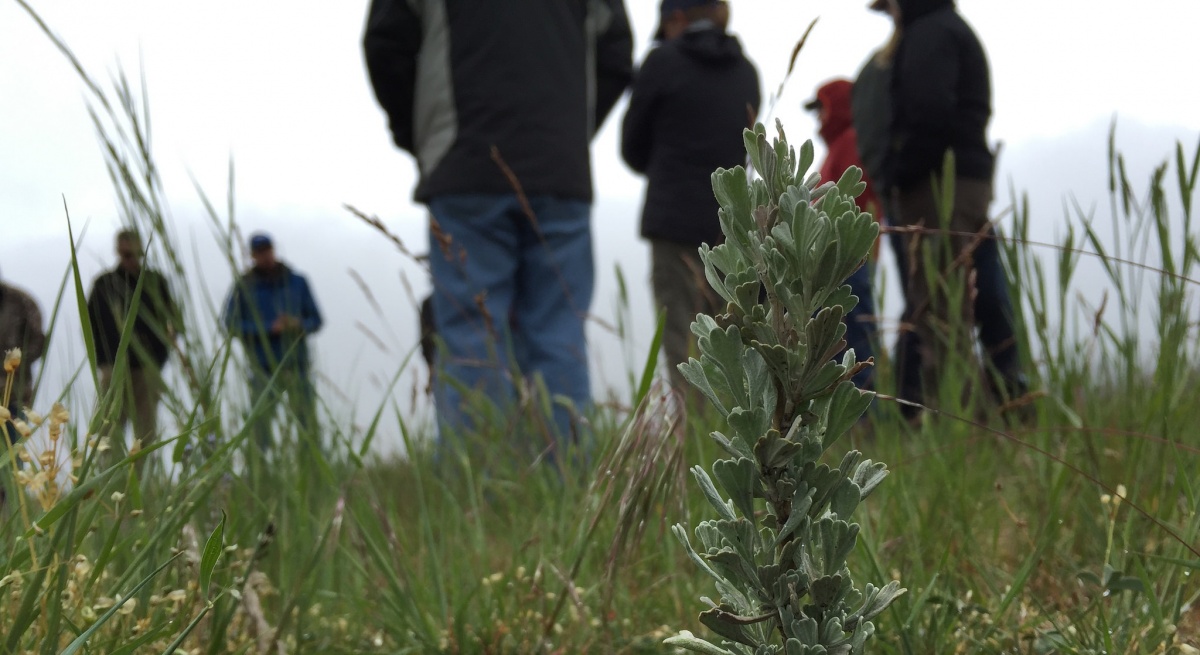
x,y
20,328
941,103
832,105
137,377
993,306
695,93
272,310
498,102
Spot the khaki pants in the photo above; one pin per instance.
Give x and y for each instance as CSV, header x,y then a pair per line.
x,y
940,277
142,390
677,276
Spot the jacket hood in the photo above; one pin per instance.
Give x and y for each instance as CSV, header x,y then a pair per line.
x,y
911,10
836,116
710,45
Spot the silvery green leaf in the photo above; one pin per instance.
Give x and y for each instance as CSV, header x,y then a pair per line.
x,y
713,275
735,447
807,156
749,426
826,590
849,461
868,475
710,492
846,406
730,189
845,499
688,641
819,188
720,622
801,503
739,479
876,600
742,536
745,294
795,647
851,183
837,540
732,566
761,390
804,628
681,534
755,142
773,451
693,371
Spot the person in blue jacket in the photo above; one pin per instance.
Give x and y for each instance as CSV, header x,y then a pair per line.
x,y
272,310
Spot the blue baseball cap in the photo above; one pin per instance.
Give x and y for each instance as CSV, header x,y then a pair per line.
x,y
669,7
260,241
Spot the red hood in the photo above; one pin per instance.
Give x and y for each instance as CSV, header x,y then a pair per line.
x,y
835,115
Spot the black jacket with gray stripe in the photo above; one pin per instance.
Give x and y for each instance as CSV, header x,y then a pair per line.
x,y
463,81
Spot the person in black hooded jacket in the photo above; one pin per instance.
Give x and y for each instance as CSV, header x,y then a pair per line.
x,y
993,306
941,104
695,93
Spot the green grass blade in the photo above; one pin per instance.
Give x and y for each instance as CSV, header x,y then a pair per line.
x,y
651,360
212,552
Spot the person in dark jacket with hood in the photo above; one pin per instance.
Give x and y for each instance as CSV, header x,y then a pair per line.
x,y
498,102
154,325
695,93
20,329
272,310
993,306
941,103
832,104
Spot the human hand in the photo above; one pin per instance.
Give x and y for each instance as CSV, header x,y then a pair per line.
x,y
286,323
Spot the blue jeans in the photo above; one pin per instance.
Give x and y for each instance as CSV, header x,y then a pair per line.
x,y
18,414
861,325
510,296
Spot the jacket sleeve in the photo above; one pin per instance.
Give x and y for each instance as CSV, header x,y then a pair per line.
x,y
310,314
755,106
637,129
390,45
929,66
239,321
35,339
614,60
105,335
172,318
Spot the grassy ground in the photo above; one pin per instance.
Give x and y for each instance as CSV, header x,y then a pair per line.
x,y
1071,530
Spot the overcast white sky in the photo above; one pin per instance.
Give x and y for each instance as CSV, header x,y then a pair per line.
x,y
280,88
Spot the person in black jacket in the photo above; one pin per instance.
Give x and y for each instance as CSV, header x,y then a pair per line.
x,y
109,304
498,102
695,93
993,306
941,104
20,329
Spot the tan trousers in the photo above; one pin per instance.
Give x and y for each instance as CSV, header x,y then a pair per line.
x,y
141,391
940,293
677,275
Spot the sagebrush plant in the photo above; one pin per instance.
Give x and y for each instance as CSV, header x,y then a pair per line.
x,y
778,549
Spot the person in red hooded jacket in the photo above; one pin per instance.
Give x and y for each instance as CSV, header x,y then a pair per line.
x,y
832,105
